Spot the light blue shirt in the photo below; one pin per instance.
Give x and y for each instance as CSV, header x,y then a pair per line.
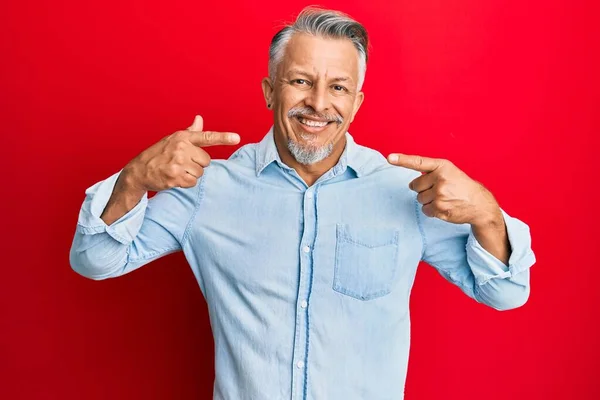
x,y
307,287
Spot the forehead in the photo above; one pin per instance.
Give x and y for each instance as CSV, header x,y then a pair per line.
x,y
321,56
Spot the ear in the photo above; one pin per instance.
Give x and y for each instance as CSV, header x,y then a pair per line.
x,y
360,97
267,88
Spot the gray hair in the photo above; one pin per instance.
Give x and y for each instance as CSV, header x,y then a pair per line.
x,y
322,23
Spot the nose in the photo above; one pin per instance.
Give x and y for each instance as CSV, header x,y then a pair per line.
x,y
318,98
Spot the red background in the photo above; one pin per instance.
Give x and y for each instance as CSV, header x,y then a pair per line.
x,y
508,90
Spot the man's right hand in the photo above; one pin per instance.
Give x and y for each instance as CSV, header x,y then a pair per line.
x,y
177,160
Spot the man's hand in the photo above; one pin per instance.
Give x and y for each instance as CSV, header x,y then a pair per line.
x,y
448,193
178,160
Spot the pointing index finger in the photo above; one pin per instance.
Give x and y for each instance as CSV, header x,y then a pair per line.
x,y
211,138
417,163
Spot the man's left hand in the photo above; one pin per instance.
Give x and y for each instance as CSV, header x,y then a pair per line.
x,y
448,193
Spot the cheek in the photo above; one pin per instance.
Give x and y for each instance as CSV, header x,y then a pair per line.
x,y
345,107
290,98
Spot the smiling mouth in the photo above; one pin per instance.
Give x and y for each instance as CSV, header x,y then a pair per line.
x,y
312,123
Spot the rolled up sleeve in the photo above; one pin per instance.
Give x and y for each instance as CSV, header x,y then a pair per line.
x,y
125,229
453,250
487,269
153,228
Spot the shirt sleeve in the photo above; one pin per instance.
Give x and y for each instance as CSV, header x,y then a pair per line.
x,y
153,228
453,250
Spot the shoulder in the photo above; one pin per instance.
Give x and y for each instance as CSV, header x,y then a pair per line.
x,y
372,164
241,162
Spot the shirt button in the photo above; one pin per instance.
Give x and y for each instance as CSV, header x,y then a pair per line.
x,y
300,364
304,304
309,195
306,249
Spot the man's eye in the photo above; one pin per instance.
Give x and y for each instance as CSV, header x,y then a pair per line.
x,y
339,88
300,81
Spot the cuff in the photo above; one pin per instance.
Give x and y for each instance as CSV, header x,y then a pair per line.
x,y
485,266
125,229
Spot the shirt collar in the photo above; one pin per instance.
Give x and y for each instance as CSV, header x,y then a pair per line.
x,y
266,153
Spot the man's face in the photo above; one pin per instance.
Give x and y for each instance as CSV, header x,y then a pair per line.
x,y
314,96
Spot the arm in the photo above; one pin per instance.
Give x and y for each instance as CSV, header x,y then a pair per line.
x,y
119,229
467,237
149,230
492,235
456,253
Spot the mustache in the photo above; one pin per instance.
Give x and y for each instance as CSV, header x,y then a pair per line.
x,y
310,112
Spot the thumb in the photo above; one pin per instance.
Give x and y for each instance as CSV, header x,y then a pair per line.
x,y
197,125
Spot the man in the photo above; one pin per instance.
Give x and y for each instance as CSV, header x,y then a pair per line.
x,y
306,244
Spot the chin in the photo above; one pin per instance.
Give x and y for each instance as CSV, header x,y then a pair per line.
x,y
308,154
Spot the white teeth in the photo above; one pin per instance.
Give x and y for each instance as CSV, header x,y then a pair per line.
x,y
316,124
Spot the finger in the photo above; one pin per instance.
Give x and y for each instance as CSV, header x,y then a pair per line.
x,y
195,174
429,209
426,196
197,125
423,182
187,181
200,157
203,160
438,209
210,138
417,163
194,169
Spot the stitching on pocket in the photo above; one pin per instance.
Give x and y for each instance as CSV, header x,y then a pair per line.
x,y
343,238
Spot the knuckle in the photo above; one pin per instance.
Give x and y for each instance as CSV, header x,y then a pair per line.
x,y
444,214
209,137
179,158
171,183
180,145
171,170
442,207
174,137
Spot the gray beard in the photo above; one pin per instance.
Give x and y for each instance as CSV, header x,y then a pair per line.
x,y
307,155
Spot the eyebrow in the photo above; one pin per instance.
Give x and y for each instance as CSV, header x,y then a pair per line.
x,y
300,72
296,71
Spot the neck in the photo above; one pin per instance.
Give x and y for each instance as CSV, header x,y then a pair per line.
x,y
310,173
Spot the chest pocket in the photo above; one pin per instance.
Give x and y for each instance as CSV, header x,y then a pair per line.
x,y
366,261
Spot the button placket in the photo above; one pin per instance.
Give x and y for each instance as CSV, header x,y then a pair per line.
x,y
301,344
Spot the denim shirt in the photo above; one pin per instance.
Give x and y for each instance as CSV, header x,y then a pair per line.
x,y
307,287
